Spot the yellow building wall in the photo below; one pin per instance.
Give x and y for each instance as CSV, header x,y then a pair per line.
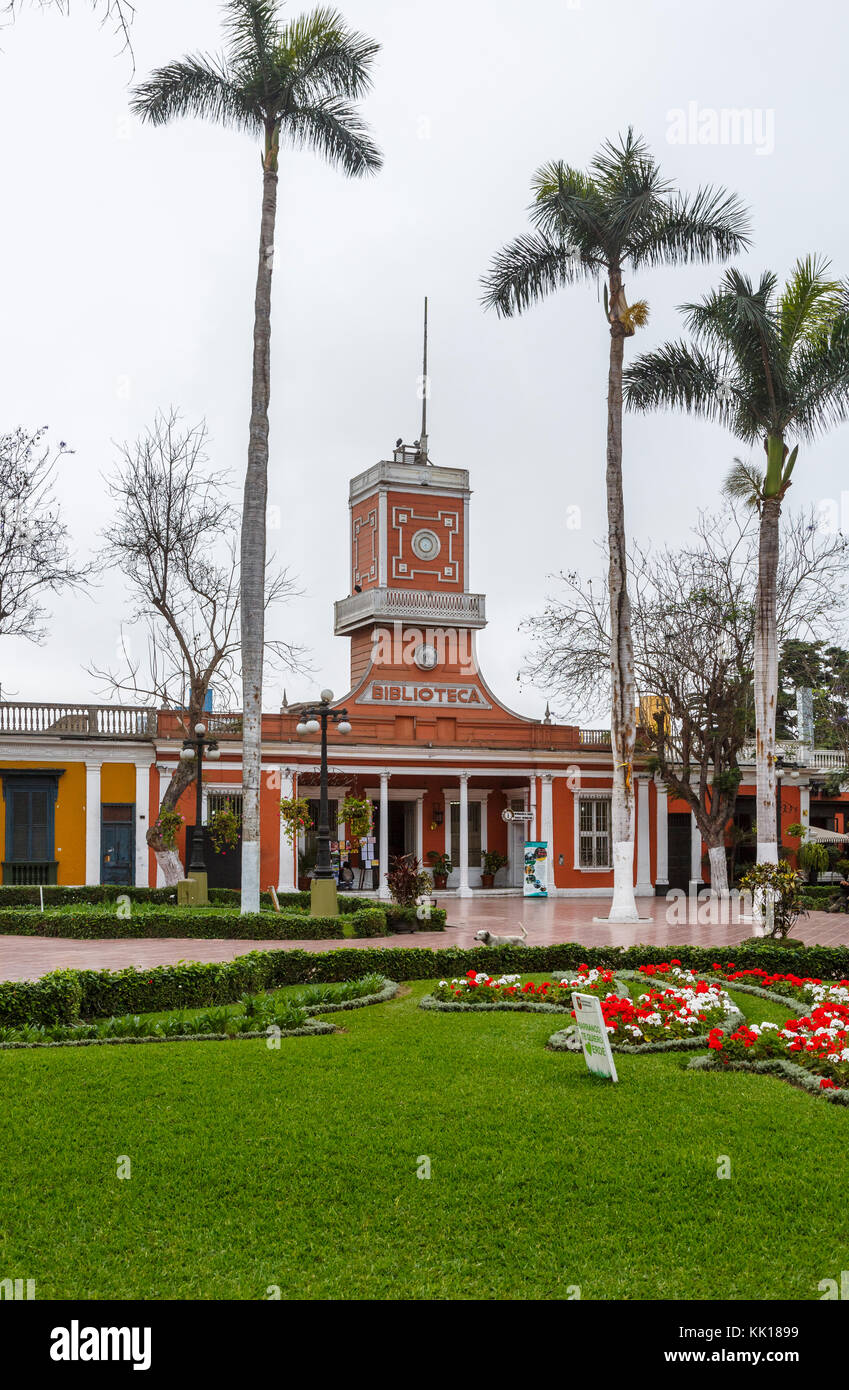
x,y
118,783
70,818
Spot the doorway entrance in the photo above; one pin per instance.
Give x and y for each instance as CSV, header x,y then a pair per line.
x,y
118,842
517,832
680,850
401,827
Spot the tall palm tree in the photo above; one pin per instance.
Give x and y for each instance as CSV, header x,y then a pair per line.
x,y
769,365
297,83
621,215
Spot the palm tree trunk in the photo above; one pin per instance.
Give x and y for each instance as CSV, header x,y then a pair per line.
x,y
766,680
622,723
253,546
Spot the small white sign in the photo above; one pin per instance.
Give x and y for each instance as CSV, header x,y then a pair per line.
x,y
592,1030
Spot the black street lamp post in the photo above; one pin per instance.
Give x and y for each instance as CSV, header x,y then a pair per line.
x,y
314,718
194,748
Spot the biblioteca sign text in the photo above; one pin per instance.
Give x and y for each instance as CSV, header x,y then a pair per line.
x,y
412,693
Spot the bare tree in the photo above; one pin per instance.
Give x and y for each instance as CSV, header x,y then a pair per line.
x,y
35,558
174,538
694,631
118,13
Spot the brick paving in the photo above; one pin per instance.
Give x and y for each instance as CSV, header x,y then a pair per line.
x,y
546,922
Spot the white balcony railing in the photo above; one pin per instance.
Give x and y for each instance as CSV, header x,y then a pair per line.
x,y
410,605
824,759
67,721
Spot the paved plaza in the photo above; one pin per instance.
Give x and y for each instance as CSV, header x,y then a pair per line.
x,y
546,922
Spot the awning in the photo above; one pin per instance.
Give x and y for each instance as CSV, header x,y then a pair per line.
x,y
827,837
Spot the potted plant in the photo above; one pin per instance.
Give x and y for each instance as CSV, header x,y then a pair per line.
x,y
493,860
306,863
441,867
407,881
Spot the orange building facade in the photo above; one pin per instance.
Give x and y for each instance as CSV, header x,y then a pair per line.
x,y
447,766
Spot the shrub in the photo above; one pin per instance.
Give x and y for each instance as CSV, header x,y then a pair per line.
x,y
813,859
777,892
196,985
398,916
55,998
407,882
83,922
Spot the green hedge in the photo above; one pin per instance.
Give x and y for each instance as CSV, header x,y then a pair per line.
x,y
55,998
194,985
95,924
58,896
104,895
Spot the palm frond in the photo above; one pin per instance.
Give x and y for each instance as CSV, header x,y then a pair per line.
x,y
253,32
335,129
567,209
710,225
682,376
194,86
820,395
528,269
744,483
325,56
809,302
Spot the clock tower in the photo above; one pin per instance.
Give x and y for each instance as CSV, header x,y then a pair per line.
x,y
410,609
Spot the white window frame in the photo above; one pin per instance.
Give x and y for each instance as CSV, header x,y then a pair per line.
x,y
593,868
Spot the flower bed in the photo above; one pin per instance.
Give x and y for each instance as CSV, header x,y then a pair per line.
x,y
817,1043
806,989
478,990
677,1015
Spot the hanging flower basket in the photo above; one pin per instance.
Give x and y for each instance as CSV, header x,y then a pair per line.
x,y
224,828
295,815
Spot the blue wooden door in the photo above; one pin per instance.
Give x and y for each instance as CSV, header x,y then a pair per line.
x,y
117,843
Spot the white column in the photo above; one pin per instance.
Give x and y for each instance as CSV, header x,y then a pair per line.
x,y
142,823
695,851
463,890
92,822
662,880
286,871
644,887
381,541
532,823
805,806
165,775
547,825
383,848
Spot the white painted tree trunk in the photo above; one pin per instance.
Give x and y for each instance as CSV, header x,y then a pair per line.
x,y
169,862
718,868
766,680
622,717
253,547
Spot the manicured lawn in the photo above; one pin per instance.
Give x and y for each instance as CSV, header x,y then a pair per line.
x,y
297,1167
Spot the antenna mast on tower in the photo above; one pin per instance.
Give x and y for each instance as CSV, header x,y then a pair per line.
x,y
423,458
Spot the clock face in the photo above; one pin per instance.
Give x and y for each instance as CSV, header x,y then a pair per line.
x,y
426,545
425,657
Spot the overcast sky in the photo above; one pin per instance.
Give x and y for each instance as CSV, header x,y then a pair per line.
x,y
129,257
